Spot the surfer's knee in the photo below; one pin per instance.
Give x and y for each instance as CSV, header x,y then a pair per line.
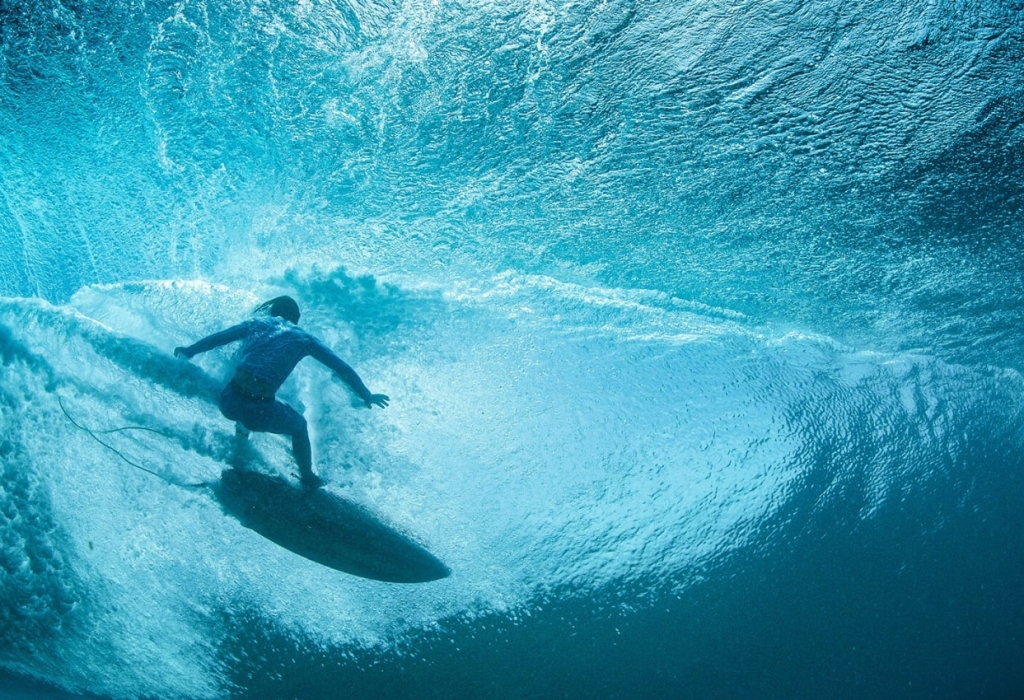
x,y
288,420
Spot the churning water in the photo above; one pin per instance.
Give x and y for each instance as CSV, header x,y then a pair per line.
x,y
701,322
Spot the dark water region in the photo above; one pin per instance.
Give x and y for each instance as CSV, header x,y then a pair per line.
x,y
13,687
897,606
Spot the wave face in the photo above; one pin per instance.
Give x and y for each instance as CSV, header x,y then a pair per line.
x,y
701,323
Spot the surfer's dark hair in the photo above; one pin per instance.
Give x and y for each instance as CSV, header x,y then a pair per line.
x,y
283,307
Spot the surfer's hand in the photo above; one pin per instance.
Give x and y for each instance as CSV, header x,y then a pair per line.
x,y
378,400
182,352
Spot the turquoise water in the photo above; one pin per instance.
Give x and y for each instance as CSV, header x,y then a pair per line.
x,y
701,324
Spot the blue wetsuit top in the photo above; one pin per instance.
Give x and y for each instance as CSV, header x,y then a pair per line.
x,y
271,348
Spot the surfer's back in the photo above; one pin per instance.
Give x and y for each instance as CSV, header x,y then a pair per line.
x,y
272,347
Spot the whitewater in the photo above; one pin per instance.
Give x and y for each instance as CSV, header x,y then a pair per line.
x,y
700,323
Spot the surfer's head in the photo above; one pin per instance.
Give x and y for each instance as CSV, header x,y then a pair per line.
x,y
282,307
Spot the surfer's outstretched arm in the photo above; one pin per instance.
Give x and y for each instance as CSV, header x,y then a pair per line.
x,y
323,354
228,335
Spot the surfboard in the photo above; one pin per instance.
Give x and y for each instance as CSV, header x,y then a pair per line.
x,y
326,528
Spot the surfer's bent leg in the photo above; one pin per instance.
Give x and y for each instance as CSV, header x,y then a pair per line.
x,y
272,417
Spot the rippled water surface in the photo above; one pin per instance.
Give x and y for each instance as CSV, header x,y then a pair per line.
x,y
700,320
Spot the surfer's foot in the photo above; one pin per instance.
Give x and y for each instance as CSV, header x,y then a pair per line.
x,y
312,481
241,433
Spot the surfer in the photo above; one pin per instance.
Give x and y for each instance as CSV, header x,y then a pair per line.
x,y
272,344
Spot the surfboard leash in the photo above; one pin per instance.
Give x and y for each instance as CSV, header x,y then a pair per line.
x,y
93,435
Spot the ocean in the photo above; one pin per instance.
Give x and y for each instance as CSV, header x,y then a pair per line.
x,y
701,323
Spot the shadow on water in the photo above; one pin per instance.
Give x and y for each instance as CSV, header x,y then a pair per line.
x,y
823,604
